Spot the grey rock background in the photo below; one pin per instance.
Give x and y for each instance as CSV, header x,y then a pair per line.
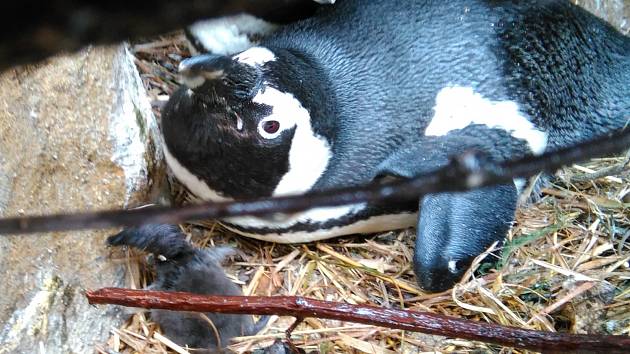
x,y
616,12
76,133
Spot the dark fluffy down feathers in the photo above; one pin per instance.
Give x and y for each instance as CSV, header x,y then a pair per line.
x,y
182,267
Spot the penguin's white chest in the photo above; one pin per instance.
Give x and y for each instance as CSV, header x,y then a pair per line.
x,y
373,224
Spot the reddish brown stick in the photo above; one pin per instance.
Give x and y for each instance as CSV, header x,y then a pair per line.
x,y
399,319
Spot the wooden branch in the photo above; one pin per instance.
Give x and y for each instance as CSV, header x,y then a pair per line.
x,y
415,321
33,30
465,172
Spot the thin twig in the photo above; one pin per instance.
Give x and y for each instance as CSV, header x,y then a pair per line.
x,y
466,171
425,322
607,171
289,331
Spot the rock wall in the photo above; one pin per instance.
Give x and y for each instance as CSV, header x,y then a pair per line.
x,y
616,12
76,133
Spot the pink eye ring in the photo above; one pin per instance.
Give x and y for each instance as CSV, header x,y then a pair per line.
x,y
271,126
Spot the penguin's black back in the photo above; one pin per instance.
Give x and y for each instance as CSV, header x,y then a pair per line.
x,y
572,70
568,72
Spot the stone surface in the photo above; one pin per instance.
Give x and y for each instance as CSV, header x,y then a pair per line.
x,y
76,133
616,12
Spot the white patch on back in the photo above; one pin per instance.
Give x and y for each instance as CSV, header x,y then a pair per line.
x,y
378,223
192,182
228,35
309,154
255,56
458,107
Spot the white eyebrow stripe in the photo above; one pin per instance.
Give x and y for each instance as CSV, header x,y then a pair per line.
x,y
309,153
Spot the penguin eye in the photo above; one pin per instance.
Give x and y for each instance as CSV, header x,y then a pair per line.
x,y
269,129
271,126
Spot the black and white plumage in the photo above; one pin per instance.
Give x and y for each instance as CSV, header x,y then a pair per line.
x,y
182,267
366,89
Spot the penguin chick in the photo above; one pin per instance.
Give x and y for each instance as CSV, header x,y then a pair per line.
x,y
182,267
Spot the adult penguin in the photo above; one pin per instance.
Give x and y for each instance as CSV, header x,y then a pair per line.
x,y
366,89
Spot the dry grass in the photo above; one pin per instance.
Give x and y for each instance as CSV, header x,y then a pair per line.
x,y
565,266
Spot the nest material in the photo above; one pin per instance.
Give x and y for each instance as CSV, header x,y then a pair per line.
x,y
564,267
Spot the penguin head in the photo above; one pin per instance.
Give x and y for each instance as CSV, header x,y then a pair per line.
x,y
246,126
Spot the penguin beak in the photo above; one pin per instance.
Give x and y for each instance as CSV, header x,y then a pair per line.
x,y
197,70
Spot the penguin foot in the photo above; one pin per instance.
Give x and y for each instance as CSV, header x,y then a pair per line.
x,y
454,228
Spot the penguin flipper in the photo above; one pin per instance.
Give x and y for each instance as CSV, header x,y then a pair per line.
x,y
453,228
160,239
427,155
